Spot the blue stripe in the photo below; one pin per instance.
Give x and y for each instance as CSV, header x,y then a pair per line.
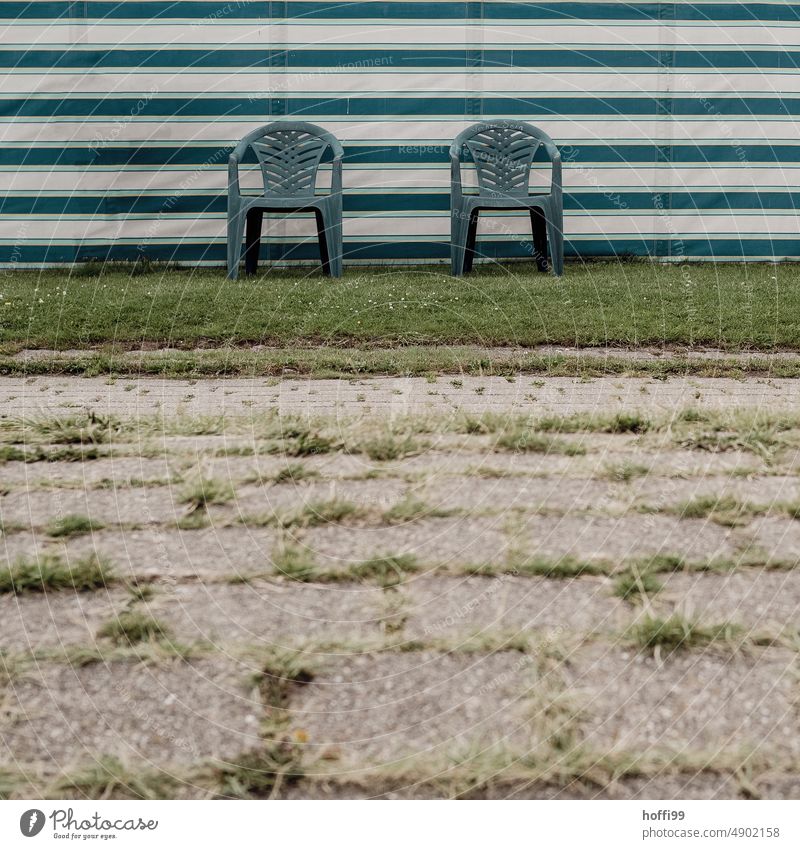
x,y
396,59
447,11
397,202
700,248
148,155
395,107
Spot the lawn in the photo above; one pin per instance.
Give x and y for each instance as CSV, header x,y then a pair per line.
x,y
729,306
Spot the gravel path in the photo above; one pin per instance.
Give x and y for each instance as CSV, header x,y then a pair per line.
x,y
389,396
358,611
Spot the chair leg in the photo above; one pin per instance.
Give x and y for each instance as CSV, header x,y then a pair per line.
x,y
457,239
252,249
555,237
559,253
235,235
332,220
336,244
539,231
472,236
322,236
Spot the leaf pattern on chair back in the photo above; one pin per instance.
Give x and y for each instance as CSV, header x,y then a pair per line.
x,y
289,161
503,157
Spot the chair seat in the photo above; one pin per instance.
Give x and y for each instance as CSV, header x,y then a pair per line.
x,y
506,202
284,202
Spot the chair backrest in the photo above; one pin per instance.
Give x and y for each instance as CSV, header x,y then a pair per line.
x,y
289,154
503,153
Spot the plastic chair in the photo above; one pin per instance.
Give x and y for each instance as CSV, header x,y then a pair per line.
x,y
289,154
503,153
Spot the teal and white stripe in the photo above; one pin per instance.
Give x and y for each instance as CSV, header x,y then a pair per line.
x,y
678,121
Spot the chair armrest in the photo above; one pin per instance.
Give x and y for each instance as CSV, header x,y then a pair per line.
x,y
233,175
336,176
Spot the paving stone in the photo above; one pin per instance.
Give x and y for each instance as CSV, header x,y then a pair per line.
x,y
778,538
632,536
767,491
109,506
679,787
171,713
119,470
278,613
530,494
50,620
371,709
774,785
451,541
197,447
758,599
671,462
690,701
606,454
447,607
264,467
487,463
160,553
263,500
242,395
668,786
169,554
15,546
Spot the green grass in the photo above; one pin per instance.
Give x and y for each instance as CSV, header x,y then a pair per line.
x,y
410,509
48,454
387,446
51,573
624,472
15,454
604,303
202,492
295,562
563,567
632,422
306,443
281,670
665,562
195,520
141,592
87,429
319,512
10,783
633,584
759,438
679,633
260,773
521,440
133,626
368,360
627,423
71,525
724,510
108,778
512,425
293,473
388,571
